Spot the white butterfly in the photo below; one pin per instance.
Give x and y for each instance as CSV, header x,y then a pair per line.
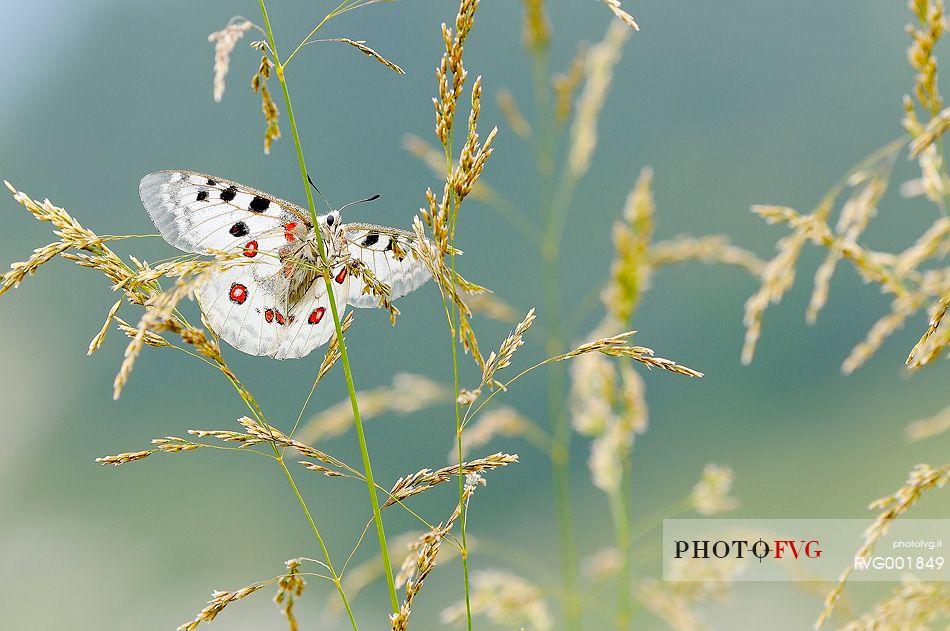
x,y
277,304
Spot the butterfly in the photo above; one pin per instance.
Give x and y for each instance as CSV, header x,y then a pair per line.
x,y
275,302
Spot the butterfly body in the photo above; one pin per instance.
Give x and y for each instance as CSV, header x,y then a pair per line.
x,y
275,300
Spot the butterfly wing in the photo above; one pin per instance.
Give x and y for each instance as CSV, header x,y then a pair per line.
x,y
310,321
388,252
196,212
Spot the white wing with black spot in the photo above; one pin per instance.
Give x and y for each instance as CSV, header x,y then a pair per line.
x,y
388,252
196,212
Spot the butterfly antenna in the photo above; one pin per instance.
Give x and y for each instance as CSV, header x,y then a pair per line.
x,y
360,201
325,200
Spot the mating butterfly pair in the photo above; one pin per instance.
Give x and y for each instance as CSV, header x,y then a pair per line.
x,y
276,303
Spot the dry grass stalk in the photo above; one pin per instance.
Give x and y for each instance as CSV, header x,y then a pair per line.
x,y
632,234
332,355
936,128
855,216
515,340
224,42
922,478
423,554
612,410
536,33
361,46
408,393
711,494
623,16
934,340
929,427
920,55
160,316
289,587
220,600
100,337
913,605
505,599
599,72
168,445
374,287
268,107
565,85
512,113
616,346
692,582
707,249
413,484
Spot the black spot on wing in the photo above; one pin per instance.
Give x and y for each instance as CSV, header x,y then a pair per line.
x,y
202,196
259,204
229,193
211,182
239,229
370,239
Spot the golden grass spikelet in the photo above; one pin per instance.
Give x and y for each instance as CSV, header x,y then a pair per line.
x,y
920,55
711,496
929,427
512,113
423,480
168,445
914,604
159,315
100,337
630,270
855,216
332,355
599,72
268,107
361,46
290,586
220,600
922,478
616,346
565,85
623,16
269,433
936,128
423,553
408,393
936,318
505,599
151,338
536,32
224,42
515,340
707,249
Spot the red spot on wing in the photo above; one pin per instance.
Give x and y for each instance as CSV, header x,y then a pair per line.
x,y
317,315
289,231
280,317
341,276
289,269
269,315
238,293
250,250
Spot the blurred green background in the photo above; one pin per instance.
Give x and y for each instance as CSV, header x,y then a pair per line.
x,y
732,104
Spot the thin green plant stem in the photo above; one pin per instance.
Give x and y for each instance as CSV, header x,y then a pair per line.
x,y
561,433
344,358
619,511
463,522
